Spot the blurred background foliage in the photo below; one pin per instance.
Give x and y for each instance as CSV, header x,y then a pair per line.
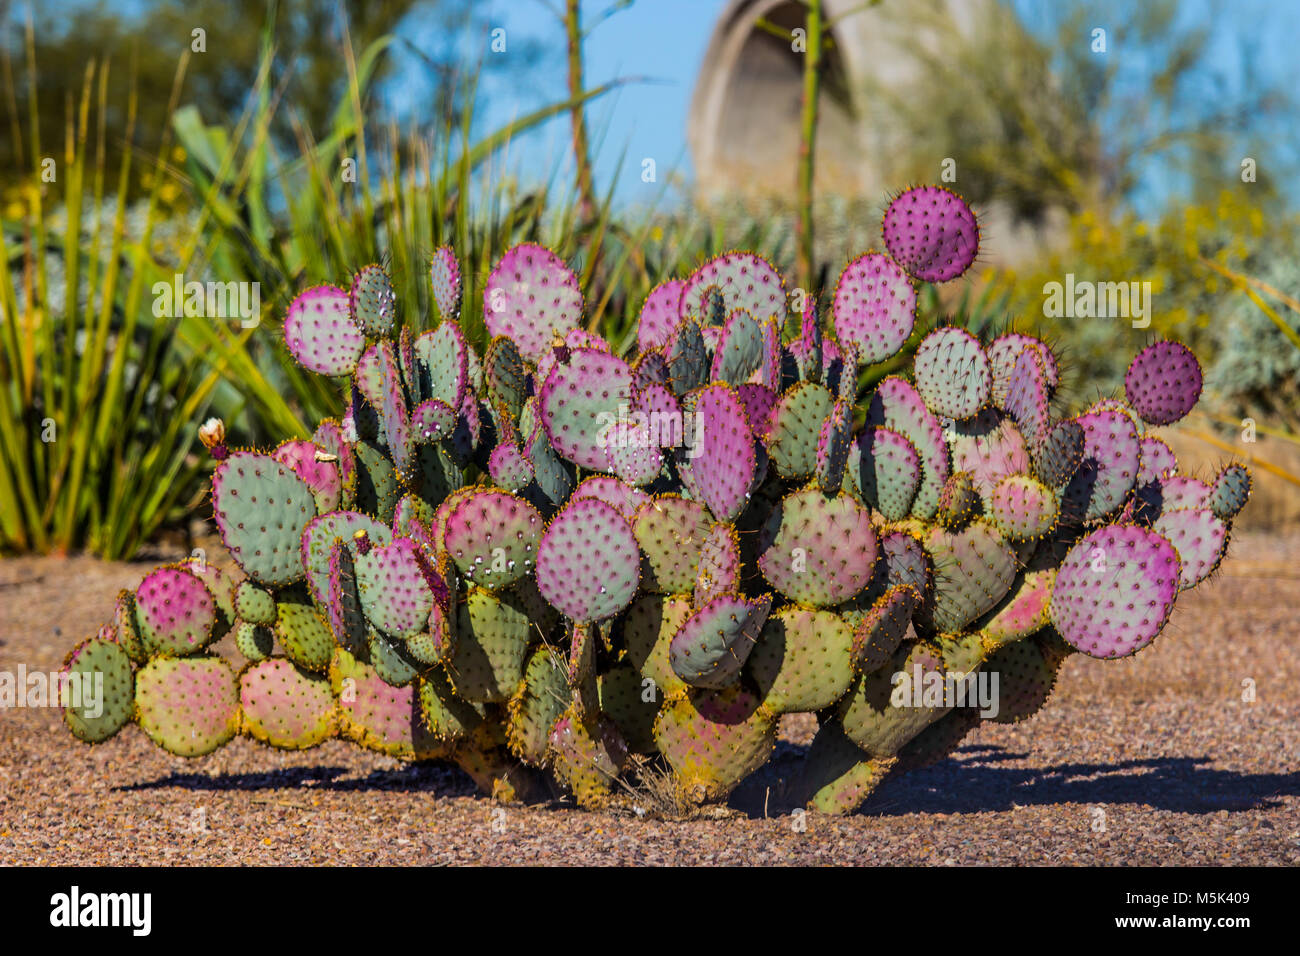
x,y
227,168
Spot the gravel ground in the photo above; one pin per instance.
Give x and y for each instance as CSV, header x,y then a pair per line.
x,y
1151,760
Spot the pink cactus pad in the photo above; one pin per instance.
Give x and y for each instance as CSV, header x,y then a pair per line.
x,y
379,379
509,468
1027,397
1114,590
719,568
187,706
573,339
394,593
1111,454
1163,382
932,233
313,465
529,297
660,315
633,451
320,333
622,496
759,401
898,406
816,550
1200,539
588,565
175,612
723,462
579,400
444,274
1003,352
284,706
745,280
492,537
1158,460
874,307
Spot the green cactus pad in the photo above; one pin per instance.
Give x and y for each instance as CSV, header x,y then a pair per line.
x,y
837,775
886,469
253,604
390,660
958,501
880,715
711,646
372,300
632,706
507,379
938,740
379,379
713,740
1230,491
882,629
254,641
377,715
446,716
803,660
740,349
1023,508
1023,611
175,613
1025,680
262,508
719,567
188,706
953,374
648,630
834,442
100,690
818,551
285,706
492,637
688,360
492,537
588,566
586,753
897,405
1060,453
973,571
378,489
442,359
305,637
128,632
318,541
541,698
794,427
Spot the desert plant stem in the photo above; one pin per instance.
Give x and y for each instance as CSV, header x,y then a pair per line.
x,y
808,142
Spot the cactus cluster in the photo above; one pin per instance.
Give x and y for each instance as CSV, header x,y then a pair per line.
x,y
551,557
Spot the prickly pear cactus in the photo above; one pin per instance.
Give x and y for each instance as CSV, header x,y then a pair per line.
x,y
552,556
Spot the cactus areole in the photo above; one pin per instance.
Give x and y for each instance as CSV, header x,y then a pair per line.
x,y
549,557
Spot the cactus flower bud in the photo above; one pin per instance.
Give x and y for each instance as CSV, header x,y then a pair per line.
x,y
213,435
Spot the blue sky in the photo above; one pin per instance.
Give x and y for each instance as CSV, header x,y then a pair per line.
x,y
660,41
664,41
